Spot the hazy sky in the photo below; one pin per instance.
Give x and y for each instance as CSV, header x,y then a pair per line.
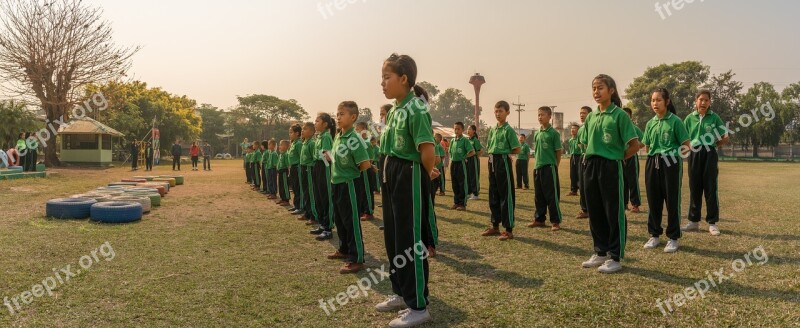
x,y
546,52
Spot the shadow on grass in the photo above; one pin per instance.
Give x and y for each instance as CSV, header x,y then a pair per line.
x,y
764,236
727,287
440,217
734,255
457,250
486,271
444,315
553,246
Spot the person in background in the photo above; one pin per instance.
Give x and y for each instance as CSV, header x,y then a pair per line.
x,y
244,145
148,156
206,156
194,152
176,155
523,158
134,156
22,150
33,148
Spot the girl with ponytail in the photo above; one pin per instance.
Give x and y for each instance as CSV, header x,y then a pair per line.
x,y
610,138
410,224
321,175
664,137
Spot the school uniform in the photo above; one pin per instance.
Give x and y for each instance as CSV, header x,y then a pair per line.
x,y
248,167
373,174
545,175
265,162
575,157
606,136
295,173
272,173
366,199
581,170
33,154
438,183
459,148
306,168
22,150
501,142
347,181
321,177
631,168
410,223
474,168
664,173
282,169
521,165
705,131
257,168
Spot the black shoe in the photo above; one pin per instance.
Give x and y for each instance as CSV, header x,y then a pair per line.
x,y
325,235
291,209
380,228
316,231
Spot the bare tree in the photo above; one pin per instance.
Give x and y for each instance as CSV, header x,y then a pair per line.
x,y
50,50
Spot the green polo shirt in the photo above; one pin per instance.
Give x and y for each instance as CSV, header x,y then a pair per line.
x,y
459,148
349,151
439,152
705,131
547,142
581,145
524,152
266,159
294,152
574,148
283,160
307,153
376,151
476,144
502,140
248,157
606,134
323,142
257,156
664,135
408,125
21,145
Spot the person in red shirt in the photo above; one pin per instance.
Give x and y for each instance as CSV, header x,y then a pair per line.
x,y
194,151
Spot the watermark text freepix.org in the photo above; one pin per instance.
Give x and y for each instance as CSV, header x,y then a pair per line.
x,y
665,9
757,256
60,277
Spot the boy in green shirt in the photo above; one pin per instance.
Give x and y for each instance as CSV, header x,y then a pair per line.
x,y
438,183
501,142
295,173
271,169
306,166
460,149
264,160
257,160
523,158
631,170
707,131
575,157
350,159
248,165
545,173
474,164
366,199
282,169
584,212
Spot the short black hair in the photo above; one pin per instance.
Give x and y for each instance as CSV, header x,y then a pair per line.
x,y
546,109
586,108
503,104
459,123
522,135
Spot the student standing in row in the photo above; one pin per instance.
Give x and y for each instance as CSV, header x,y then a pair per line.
x,y
366,199
545,174
461,150
663,137
350,161
321,174
438,183
609,138
575,158
258,158
523,158
631,168
295,171
272,169
282,168
407,141
707,131
501,142
306,168
584,212
474,163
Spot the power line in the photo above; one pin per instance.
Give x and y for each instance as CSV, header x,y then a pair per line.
x,y
519,111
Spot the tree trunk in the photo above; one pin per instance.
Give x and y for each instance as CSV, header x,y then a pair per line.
x,y
54,114
755,148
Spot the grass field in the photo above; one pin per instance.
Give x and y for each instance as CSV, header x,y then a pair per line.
x,y
217,254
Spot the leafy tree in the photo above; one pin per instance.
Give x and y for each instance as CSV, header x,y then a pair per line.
x,y
681,79
452,106
365,115
760,119
261,117
724,95
791,99
432,90
213,122
14,118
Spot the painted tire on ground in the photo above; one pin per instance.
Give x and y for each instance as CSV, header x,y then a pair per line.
x,y
116,212
142,200
69,208
171,181
160,188
11,171
178,178
146,177
120,184
96,197
155,199
108,192
134,180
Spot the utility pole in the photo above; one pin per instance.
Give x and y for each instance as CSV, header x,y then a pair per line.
x,y
519,111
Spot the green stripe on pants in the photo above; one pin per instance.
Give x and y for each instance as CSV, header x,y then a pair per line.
x,y
419,272
556,191
466,181
356,223
621,215
365,177
311,194
330,196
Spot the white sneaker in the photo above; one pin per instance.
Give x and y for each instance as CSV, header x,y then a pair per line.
x,y
672,246
473,197
712,228
610,266
411,318
691,226
652,243
594,261
392,303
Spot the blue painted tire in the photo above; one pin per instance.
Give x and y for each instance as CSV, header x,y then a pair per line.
x,y
69,208
116,212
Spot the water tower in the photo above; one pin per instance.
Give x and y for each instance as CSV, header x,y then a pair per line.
x,y
477,81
